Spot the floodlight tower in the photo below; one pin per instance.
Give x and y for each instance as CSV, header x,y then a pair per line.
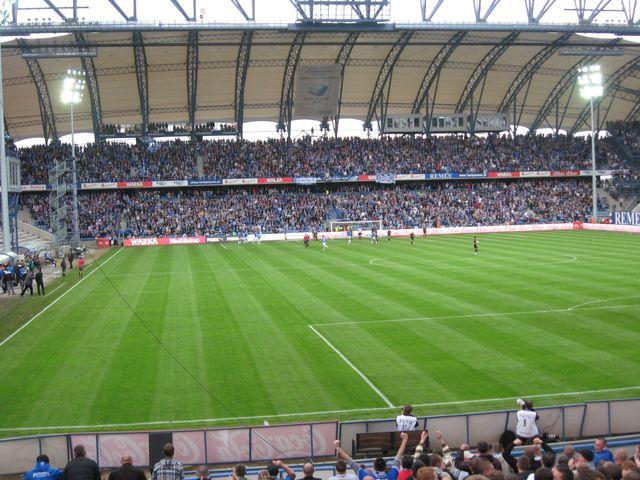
x,y
590,83
72,92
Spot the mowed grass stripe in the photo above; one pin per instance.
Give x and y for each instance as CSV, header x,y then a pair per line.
x,y
237,319
320,383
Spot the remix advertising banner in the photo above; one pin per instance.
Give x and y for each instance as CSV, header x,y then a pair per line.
x,y
626,218
316,91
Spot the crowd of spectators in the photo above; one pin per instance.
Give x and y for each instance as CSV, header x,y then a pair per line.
x,y
218,211
323,157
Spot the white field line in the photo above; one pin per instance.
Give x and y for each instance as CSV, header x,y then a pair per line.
x,y
354,368
307,414
479,315
600,301
57,299
223,246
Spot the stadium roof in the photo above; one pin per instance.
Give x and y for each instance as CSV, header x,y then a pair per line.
x,y
245,71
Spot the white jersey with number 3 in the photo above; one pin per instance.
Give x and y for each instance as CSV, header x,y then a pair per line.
x,y
526,426
406,423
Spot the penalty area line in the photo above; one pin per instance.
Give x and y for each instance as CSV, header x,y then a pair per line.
x,y
308,414
354,368
25,325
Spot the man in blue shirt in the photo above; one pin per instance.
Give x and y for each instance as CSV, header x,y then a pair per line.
x,y
43,470
379,471
602,453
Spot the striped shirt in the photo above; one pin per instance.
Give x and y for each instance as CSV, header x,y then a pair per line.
x,y
168,469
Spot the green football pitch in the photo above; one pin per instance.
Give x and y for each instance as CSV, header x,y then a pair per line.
x,y
180,336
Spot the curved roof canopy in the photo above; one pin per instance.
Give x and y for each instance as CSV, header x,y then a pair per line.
x,y
245,73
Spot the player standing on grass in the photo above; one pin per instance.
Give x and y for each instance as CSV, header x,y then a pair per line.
x,y
349,235
306,240
81,266
388,235
424,232
259,235
374,235
475,245
412,236
324,243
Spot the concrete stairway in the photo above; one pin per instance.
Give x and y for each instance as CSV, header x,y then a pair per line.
x,y
30,236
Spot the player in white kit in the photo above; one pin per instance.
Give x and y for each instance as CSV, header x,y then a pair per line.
x,y
526,428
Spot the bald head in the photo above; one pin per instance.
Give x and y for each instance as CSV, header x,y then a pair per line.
x,y
308,469
126,459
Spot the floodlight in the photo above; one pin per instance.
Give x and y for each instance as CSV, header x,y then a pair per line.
x,y
590,81
73,86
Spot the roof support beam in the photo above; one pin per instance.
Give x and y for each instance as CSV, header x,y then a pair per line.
x,y
243,11
49,131
142,78
433,72
529,69
91,77
192,79
427,14
530,7
242,67
477,7
122,13
384,74
482,69
187,17
567,80
58,12
286,94
342,59
609,89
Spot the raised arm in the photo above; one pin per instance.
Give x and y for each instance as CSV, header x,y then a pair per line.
x,y
440,438
424,437
345,456
287,469
403,445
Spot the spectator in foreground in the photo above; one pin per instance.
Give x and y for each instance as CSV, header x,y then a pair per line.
x,y
562,472
43,471
485,454
202,473
274,469
239,472
602,453
341,471
308,469
621,456
81,467
127,471
168,468
583,458
379,471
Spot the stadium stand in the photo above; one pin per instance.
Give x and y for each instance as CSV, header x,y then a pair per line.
x,y
293,209
323,157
